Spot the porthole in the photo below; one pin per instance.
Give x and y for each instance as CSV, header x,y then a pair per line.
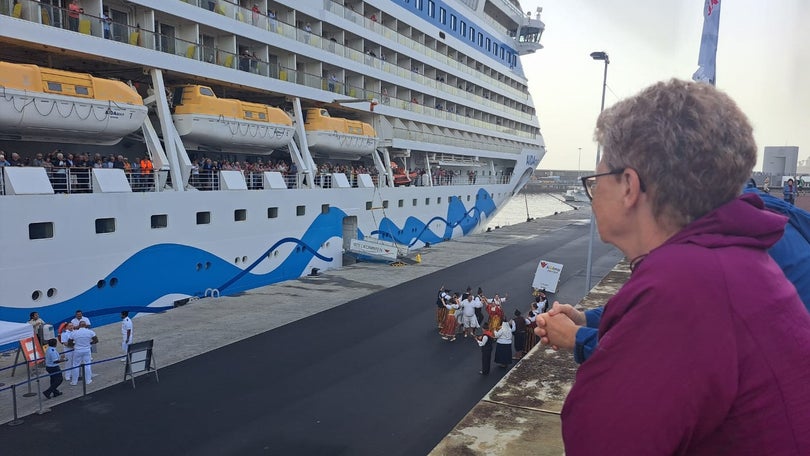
x,y
51,292
114,281
275,253
236,260
199,266
36,295
207,265
327,243
101,283
244,259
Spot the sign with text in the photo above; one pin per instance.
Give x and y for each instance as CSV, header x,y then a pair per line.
x,y
547,276
375,248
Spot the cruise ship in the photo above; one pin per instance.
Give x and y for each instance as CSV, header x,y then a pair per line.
x,y
174,150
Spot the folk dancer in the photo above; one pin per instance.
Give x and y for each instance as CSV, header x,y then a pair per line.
x,y
503,349
448,331
485,342
518,326
441,311
495,312
468,318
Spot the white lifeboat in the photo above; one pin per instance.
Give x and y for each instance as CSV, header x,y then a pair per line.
x,y
202,119
335,136
43,104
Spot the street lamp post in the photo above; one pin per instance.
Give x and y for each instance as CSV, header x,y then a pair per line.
x,y
579,163
599,55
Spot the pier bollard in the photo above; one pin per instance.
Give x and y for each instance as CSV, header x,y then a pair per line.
x,y
418,257
16,421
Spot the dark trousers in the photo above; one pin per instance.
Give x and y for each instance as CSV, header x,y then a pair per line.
x,y
486,358
56,379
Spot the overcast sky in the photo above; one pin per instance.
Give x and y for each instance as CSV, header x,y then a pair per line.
x,y
763,59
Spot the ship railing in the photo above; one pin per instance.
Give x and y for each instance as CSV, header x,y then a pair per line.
x,y
79,180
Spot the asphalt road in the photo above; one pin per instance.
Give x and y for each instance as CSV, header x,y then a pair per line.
x,y
370,377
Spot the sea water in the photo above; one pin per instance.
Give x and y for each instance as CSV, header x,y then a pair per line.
x,y
529,205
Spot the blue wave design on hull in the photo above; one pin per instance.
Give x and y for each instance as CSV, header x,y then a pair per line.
x,y
177,266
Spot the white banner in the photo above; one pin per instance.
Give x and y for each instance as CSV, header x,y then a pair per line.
x,y
547,276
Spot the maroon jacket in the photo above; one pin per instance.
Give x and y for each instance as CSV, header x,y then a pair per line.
x,y
704,351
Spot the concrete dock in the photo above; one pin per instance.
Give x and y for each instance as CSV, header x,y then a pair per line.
x,y
212,353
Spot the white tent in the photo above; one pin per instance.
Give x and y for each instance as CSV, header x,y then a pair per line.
x,y
13,332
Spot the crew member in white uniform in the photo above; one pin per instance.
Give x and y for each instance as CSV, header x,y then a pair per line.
x,y
126,332
80,318
65,337
82,339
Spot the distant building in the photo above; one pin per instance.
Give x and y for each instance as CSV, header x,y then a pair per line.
x,y
780,160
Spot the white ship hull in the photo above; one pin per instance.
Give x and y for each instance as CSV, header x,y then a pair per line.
x,y
148,240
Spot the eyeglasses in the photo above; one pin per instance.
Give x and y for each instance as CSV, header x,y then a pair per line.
x,y
589,182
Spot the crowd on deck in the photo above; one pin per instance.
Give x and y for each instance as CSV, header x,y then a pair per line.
x,y
484,320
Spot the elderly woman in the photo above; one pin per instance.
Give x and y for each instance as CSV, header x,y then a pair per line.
x,y
705,348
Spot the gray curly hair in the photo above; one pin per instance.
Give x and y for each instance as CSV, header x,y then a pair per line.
x,y
691,145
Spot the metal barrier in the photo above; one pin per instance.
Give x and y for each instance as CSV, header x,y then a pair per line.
x,y
13,387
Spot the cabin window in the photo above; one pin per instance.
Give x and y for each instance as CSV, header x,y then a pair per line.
x,y
480,39
240,215
206,91
42,230
439,200
324,209
160,221
272,212
368,205
262,116
418,4
468,197
54,86
413,203
427,201
324,113
300,210
203,218
401,203
385,204
489,45
463,29
248,115
81,90
442,16
431,8
453,22
105,225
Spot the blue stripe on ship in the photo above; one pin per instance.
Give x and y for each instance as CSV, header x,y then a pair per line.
x,y
176,266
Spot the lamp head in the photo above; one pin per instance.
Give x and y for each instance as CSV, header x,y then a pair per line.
x,y
600,55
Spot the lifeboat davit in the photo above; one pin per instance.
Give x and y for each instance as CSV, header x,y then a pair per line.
x,y
202,119
335,136
43,104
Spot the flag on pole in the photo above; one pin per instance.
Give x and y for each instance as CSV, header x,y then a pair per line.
x,y
707,59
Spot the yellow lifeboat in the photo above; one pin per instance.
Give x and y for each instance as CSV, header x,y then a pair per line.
x,y
335,136
43,104
202,119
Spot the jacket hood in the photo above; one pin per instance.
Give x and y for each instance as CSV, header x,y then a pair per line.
x,y
743,221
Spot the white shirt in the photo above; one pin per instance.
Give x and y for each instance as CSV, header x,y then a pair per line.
x,y
504,335
82,339
469,307
126,325
76,322
66,336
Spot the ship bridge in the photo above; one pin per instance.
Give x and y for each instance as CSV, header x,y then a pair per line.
x,y
528,36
